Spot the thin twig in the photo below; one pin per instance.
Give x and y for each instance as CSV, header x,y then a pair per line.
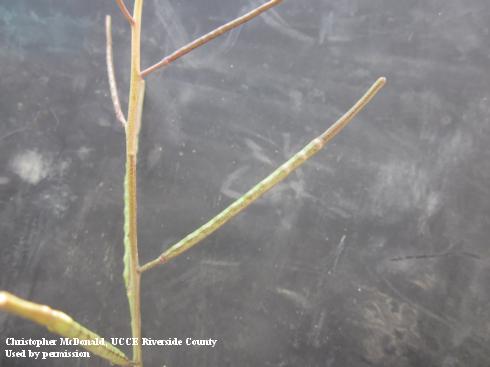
x,y
210,36
125,11
60,323
265,185
110,72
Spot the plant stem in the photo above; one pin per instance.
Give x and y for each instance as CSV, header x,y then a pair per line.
x,y
125,11
132,276
266,184
110,72
210,36
60,323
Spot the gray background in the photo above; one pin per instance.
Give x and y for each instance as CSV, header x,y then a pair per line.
x,y
375,253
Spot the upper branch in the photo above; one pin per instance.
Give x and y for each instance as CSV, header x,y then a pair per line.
x,y
210,36
125,11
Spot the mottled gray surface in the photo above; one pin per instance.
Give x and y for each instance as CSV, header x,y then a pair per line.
x,y
373,254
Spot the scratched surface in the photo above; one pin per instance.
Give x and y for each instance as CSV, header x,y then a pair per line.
x,y
375,253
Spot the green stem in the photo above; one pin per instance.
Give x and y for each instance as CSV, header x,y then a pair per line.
x,y
132,276
60,323
266,184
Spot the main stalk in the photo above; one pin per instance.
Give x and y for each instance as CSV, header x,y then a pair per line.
x,y
131,273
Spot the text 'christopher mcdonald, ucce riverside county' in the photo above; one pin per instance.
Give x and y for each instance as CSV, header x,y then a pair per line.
x,y
114,341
